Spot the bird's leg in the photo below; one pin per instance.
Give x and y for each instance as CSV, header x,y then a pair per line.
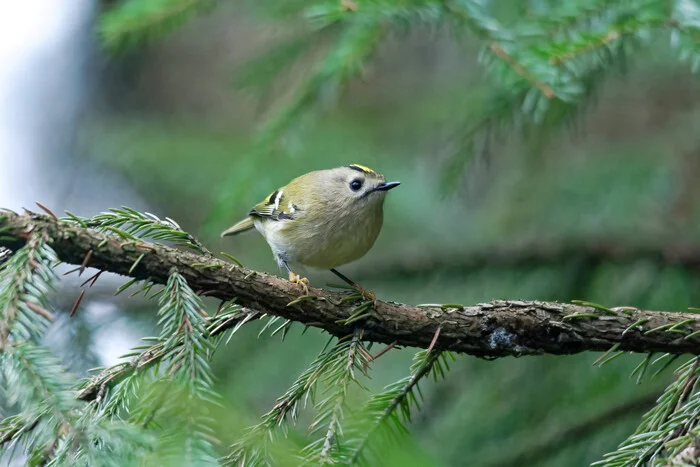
x,y
364,292
296,278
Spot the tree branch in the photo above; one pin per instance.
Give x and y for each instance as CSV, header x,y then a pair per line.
x,y
490,330
97,384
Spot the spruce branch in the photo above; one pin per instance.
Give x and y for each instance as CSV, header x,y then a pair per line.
x,y
253,448
136,22
685,32
34,381
128,223
353,47
13,430
390,411
122,376
177,398
668,428
348,357
489,330
25,281
52,425
43,381
185,340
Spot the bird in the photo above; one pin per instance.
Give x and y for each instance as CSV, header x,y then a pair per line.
x,y
322,219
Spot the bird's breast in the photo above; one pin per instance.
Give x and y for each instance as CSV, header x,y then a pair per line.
x,y
324,243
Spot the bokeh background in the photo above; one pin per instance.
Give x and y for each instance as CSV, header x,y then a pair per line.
x,y
602,210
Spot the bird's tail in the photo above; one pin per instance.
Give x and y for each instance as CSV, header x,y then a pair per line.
x,y
242,226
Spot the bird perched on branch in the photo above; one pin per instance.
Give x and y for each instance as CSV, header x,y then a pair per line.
x,y
322,219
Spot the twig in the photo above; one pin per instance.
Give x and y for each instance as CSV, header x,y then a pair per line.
x,y
150,356
397,401
496,329
519,69
612,36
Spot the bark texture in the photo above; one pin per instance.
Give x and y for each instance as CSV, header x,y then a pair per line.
x,y
490,330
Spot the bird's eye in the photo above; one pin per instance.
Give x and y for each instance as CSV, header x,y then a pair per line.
x,y
356,185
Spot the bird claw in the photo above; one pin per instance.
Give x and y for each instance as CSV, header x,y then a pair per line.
x,y
301,281
366,294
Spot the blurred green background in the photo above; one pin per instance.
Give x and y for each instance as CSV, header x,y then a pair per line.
x,y
604,210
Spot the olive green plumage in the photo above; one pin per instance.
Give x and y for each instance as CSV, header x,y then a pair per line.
x,y
322,219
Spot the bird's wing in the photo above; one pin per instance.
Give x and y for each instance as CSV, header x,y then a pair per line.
x,y
275,207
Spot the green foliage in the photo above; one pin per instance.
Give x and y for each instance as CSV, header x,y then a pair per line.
x,y
335,367
544,62
25,281
133,225
184,395
160,407
530,51
388,413
134,22
348,357
685,35
543,67
321,89
169,396
51,427
666,430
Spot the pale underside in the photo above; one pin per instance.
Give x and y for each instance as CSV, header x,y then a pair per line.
x,y
322,243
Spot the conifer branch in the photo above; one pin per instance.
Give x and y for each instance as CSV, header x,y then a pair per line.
x,y
134,22
544,88
489,330
670,427
348,357
25,279
96,387
253,448
390,411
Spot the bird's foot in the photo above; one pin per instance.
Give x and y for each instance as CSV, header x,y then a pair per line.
x,y
366,294
301,281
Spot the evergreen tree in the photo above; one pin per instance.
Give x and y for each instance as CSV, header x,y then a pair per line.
x,y
545,62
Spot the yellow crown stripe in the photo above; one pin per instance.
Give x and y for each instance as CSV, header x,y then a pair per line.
x,y
364,169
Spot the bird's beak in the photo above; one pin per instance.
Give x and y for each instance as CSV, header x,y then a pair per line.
x,y
386,186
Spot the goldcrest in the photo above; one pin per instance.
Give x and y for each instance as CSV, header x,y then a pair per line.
x,y
322,219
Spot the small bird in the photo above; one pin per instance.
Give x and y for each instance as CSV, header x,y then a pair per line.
x,y
322,219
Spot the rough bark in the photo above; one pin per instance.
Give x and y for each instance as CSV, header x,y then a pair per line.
x,y
490,330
